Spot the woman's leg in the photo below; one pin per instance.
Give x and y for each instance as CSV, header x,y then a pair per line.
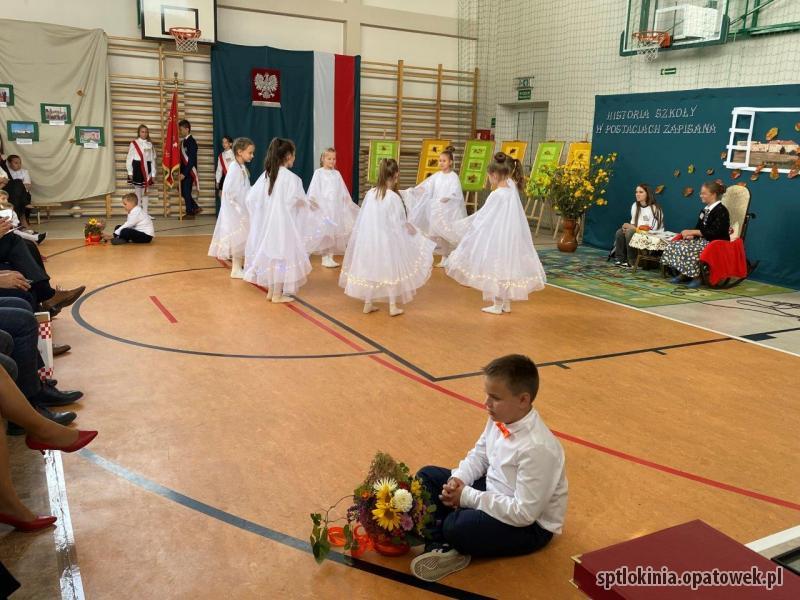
x,y
10,503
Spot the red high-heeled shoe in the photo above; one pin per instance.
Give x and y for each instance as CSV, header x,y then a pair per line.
x,y
27,526
84,437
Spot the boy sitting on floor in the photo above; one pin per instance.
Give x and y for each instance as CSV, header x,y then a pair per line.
x,y
509,495
138,229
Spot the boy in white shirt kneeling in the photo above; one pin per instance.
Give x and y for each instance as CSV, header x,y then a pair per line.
x,y
138,229
509,495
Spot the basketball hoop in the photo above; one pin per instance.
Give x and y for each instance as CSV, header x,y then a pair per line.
x,y
648,43
185,38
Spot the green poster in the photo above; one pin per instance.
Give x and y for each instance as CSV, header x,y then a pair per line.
x,y
477,155
378,150
548,153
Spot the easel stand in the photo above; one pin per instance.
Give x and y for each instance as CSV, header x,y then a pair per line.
x,y
471,201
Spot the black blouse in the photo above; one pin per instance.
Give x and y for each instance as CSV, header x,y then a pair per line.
x,y
717,224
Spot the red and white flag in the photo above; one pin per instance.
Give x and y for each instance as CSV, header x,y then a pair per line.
x,y
171,161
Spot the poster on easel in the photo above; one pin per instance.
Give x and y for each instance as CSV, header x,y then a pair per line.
x,y
580,153
429,158
515,149
547,153
477,155
378,150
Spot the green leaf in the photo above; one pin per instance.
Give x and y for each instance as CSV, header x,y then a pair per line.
x,y
316,518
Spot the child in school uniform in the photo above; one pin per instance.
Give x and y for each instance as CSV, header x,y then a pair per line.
x,y
338,212
387,259
141,165
495,252
508,496
275,254
437,203
233,222
224,160
189,177
137,229
36,238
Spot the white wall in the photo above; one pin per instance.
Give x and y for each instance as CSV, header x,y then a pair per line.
x,y
291,33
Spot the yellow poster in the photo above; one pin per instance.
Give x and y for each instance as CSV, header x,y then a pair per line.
x,y
515,149
429,158
579,152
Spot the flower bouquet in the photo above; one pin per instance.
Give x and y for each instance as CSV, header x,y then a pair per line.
x,y
389,513
93,230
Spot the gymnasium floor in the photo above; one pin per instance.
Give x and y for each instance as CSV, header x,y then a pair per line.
x,y
225,420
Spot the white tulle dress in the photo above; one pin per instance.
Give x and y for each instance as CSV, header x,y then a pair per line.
x,y
233,222
384,262
276,251
336,215
429,214
495,252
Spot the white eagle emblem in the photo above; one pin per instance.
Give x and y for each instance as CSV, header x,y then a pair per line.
x,y
266,85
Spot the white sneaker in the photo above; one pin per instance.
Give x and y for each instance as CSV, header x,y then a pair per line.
x,y
438,563
368,308
327,261
280,299
494,309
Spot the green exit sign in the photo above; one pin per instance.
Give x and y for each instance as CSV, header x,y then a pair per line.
x,y
669,71
524,94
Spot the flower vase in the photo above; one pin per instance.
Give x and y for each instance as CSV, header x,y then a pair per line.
x,y
385,547
568,242
93,238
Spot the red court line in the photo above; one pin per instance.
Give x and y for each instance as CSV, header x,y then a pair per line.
x,y
164,310
565,436
325,327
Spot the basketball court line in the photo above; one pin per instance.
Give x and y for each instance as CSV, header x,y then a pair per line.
x,y
272,534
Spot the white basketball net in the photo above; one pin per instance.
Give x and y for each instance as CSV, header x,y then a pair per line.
x,y
647,44
185,39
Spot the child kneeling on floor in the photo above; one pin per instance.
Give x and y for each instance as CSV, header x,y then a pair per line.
x,y
138,229
509,495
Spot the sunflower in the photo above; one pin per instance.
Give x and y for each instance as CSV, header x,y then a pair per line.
x,y
416,487
383,490
386,516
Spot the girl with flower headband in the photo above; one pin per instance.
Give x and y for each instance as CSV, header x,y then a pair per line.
x,y
495,252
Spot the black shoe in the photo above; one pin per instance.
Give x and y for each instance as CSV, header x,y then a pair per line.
x,y
62,418
62,349
118,241
40,237
51,382
14,429
50,396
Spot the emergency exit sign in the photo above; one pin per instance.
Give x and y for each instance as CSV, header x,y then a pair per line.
x,y
524,94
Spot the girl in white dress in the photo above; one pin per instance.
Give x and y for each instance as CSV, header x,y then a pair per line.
x,y
233,221
275,255
140,163
437,203
387,259
337,209
495,252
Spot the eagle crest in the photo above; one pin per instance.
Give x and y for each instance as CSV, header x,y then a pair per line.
x,y
266,85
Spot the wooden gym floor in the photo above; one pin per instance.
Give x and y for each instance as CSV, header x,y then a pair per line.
x,y
225,420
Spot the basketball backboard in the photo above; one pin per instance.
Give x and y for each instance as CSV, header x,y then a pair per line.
x,y
157,16
689,23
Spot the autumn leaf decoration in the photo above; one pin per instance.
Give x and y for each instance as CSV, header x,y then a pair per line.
x,y
772,134
687,192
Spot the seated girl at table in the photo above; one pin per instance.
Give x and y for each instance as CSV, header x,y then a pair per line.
x,y
714,223
645,214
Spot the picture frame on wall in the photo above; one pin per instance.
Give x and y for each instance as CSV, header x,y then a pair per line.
x,y
55,114
90,136
6,95
22,132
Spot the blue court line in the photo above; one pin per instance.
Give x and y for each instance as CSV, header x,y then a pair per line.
x,y
272,534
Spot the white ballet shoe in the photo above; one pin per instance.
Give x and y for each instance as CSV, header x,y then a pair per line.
x,y
442,263
369,308
494,309
506,306
281,299
269,294
237,270
394,311
327,261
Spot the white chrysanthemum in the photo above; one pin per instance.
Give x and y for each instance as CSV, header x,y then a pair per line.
x,y
402,500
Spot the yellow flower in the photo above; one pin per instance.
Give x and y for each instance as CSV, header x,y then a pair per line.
x,y
416,487
386,516
383,490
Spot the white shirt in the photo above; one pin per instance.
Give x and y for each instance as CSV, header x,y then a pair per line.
x,y
525,475
148,152
21,174
647,216
138,220
228,157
